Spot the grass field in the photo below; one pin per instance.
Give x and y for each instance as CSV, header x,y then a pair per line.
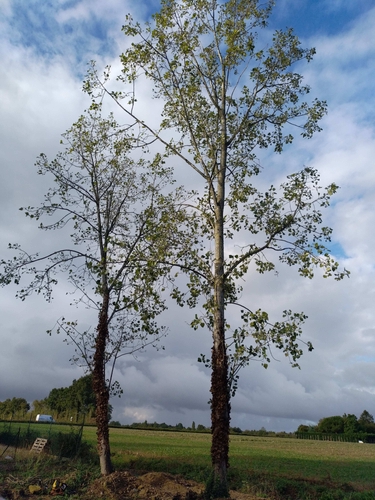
x,y
188,453
268,466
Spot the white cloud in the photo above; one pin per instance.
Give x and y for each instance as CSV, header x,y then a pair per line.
x,y
41,98
112,10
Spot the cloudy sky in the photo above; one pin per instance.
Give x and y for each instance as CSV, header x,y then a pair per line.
x,y
44,49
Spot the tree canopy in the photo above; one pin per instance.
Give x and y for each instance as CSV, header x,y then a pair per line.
x,y
345,424
73,402
225,97
15,407
125,220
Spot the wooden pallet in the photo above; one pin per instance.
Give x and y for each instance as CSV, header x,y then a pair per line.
x,y
39,445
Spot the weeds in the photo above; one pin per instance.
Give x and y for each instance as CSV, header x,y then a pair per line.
x,y
67,443
215,489
42,471
277,488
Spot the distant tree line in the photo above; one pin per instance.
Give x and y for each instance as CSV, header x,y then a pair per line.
x,y
200,428
14,408
345,425
73,403
69,403
163,425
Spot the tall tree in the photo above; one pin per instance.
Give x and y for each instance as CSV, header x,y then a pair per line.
x,y
15,407
225,96
59,401
83,395
331,425
122,215
40,406
366,418
351,425
78,398
366,422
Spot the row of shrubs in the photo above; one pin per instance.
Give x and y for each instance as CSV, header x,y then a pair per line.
x,y
346,438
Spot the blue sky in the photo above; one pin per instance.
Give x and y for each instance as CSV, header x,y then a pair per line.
x,y
53,28
45,47
49,30
321,17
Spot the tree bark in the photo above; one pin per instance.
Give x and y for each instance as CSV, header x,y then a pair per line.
x,y
220,401
102,392
220,413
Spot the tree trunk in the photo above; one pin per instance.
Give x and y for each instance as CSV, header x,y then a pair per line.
x,y
220,415
220,402
102,392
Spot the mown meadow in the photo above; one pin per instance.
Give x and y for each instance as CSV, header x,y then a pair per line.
x,y
262,463
268,467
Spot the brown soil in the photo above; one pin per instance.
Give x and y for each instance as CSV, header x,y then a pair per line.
x,y
124,486
150,486
121,485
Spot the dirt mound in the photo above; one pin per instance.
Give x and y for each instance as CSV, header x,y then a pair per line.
x,y
150,486
121,485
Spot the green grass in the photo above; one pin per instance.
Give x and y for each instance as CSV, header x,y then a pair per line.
x,y
309,459
276,465
276,468
341,462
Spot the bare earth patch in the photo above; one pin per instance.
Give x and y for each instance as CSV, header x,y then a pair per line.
x,y
121,485
150,486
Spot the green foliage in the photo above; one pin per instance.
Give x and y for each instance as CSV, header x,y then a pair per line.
x,y
351,424
67,443
115,423
366,417
331,425
366,422
236,430
14,408
226,96
70,444
303,428
215,488
348,424
40,406
28,469
75,401
124,220
201,428
164,426
113,204
337,437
